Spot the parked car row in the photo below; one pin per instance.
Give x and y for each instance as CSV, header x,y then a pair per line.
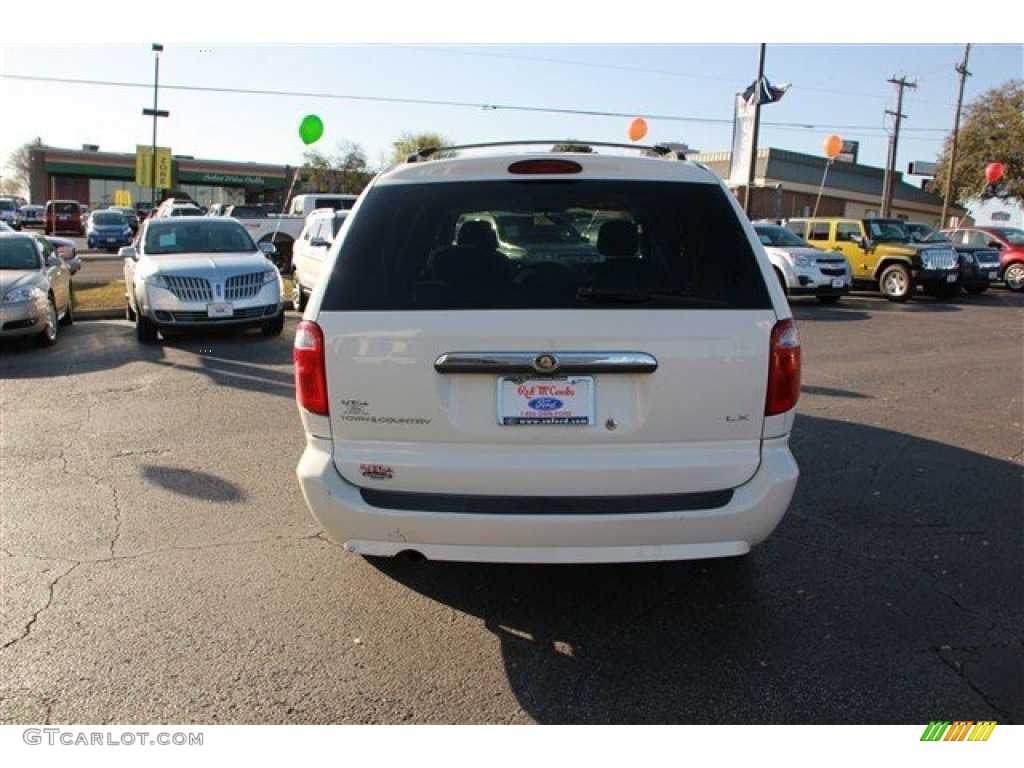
x,y
485,335
895,257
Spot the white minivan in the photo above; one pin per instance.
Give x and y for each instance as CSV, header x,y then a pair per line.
x,y
630,403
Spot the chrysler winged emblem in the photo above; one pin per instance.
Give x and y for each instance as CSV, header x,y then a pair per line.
x,y
545,363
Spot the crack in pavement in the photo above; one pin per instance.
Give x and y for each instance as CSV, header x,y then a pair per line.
x,y
49,601
113,559
957,669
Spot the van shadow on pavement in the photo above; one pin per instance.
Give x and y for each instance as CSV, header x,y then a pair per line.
x,y
890,594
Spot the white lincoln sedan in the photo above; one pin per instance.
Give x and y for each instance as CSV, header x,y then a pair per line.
x,y
197,272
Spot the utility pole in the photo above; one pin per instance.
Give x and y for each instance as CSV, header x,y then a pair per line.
x,y
890,168
964,74
747,201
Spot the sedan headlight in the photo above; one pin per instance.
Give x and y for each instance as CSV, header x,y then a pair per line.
x,y
24,293
157,280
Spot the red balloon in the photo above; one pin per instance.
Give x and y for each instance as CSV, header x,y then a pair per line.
x,y
994,172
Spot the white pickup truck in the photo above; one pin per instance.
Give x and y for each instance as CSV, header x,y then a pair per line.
x,y
283,229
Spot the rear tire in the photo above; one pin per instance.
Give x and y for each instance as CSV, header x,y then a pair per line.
x,y
894,283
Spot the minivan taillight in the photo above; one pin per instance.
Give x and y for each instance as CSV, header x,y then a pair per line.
x,y
783,369
310,370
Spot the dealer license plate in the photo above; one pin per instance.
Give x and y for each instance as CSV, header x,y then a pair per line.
x,y
950,278
993,275
222,309
564,400
837,282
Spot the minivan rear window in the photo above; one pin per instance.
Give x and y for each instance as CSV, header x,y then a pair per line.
x,y
552,244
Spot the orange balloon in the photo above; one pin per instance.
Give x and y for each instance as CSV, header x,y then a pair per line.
x,y
637,128
833,146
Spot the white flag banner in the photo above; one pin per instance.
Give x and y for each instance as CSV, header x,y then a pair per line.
x,y
742,141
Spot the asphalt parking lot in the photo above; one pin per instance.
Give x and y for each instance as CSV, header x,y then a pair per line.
x,y
160,566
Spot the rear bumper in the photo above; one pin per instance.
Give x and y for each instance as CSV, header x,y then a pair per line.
x,y
752,513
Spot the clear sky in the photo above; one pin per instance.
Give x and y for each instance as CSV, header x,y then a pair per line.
x,y
475,72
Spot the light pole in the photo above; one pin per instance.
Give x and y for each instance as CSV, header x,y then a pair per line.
x,y
748,205
157,48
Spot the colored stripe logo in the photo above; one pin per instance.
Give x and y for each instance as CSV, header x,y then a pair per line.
x,y
959,730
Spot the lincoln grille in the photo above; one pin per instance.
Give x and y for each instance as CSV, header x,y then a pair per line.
x,y
243,286
189,288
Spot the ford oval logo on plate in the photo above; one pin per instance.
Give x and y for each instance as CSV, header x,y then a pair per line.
x,y
546,404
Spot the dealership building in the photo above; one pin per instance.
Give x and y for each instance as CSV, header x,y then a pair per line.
x,y
99,179
791,185
786,184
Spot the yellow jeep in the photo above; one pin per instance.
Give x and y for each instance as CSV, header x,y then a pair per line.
x,y
883,255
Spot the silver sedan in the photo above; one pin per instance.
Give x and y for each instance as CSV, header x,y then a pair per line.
x,y
35,288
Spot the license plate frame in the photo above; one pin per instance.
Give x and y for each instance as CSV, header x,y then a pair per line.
x,y
219,310
545,401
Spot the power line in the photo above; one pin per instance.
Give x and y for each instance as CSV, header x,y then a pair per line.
x,y
442,103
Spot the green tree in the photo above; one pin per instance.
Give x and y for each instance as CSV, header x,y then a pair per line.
x,y
991,131
19,163
409,142
346,171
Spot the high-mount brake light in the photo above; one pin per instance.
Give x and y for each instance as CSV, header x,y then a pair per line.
x,y
544,167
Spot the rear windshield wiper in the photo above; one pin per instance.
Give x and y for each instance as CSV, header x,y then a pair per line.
x,y
609,296
589,293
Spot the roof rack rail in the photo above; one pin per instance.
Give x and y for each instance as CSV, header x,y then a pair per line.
x,y
661,150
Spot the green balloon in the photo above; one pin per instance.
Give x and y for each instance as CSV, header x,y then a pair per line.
x,y
311,129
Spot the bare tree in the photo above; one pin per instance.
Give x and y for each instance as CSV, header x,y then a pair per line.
x,y
345,171
19,163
